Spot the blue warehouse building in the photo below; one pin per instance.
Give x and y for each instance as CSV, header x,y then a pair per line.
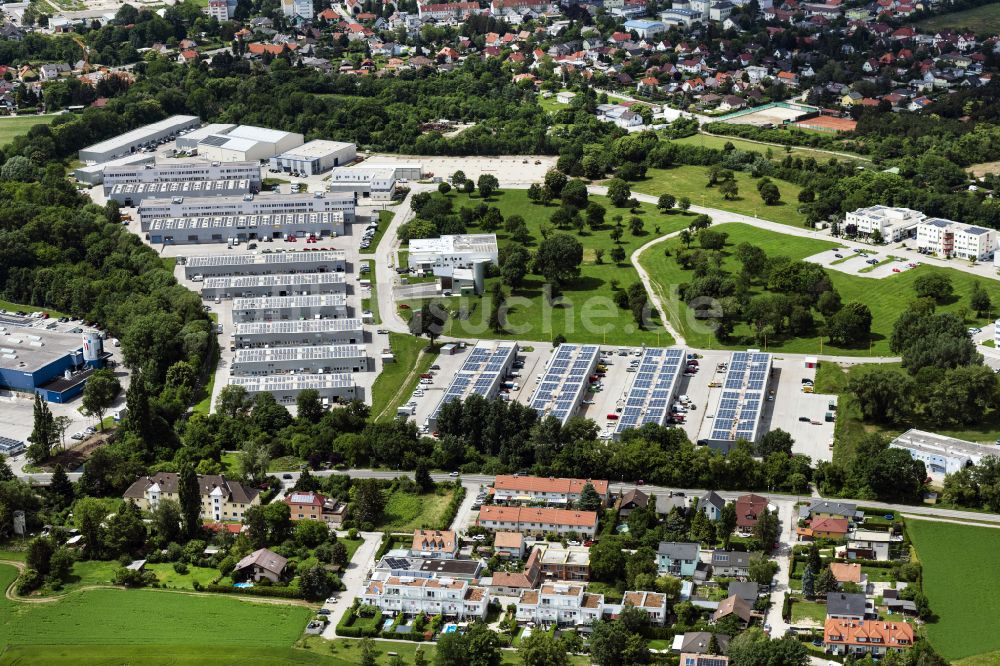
x,y
54,365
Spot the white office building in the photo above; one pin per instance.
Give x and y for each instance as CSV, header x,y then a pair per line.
x,y
93,174
289,308
130,194
376,182
345,331
285,388
249,204
893,224
947,238
180,171
222,228
137,139
316,359
459,260
315,157
941,454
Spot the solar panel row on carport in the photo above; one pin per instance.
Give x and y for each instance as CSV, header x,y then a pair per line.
x,y
481,374
565,380
648,398
743,394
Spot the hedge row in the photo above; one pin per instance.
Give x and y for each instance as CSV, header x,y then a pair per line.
x,y
452,509
347,629
282,592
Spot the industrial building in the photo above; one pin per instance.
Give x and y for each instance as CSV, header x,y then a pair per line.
x,y
653,388
482,373
54,365
893,224
282,284
565,381
265,263
261,204
180,171
222,228
298,333
189,140
941,454
285,388
130,194
137,139
246,142
460,260
954,239
289,308
315,157
744,390
311,359
93,174
376,182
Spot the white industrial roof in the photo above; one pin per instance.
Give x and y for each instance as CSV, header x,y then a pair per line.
x,y
314,149
269,258
278,280
140,133
297,382
459,243
290,302
255,133
305,326
208,130
303,353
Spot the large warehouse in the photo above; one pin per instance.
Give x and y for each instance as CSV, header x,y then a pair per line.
x,y
289,308
141,137
180,171
297,333
262,264
284,284
267,203
130,194
315,157
54,365
247,142
565,381
310,359
742,402
285,388
190,140
653,388
219,229
482,373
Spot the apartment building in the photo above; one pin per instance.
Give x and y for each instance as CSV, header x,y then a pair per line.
x,y
954,239
569,604
874,637
538,521
443,11
314,506
434,544
221,498
893,224
547,490
433,596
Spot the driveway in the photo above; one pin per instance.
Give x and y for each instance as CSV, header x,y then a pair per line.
x,y
354,580
783,558
465,512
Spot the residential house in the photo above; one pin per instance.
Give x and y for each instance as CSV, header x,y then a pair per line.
x,y
677,559
260,564
732,103
538,521
748,591
823,528
846,606
508,545
665,503
874,637
449,597
730,564
434,544
748,511
314,506
221,499
711,505
868,545
696,642
631,500
827,509
692,659
550,490
848,573
560,604
512,584
735,606
654,604
556,562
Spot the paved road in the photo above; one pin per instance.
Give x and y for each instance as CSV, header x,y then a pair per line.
x,y
786,514
354,579
385,263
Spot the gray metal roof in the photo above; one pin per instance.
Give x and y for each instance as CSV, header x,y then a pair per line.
x,y
678,550
841,603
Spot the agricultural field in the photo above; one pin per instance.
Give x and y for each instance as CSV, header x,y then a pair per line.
x,y
585,311
164,655
691,181
958,561
886,297
147,617
984,20
15,126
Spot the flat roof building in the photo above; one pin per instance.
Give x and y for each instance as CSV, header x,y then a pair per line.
x,y
248,204
221,228
285,388
316,359
282,284
893,224
482,373
54,365
460,260
955,239
365,182
743,392
315,157
264,263
93,174
130,194
941,454
303,332
565,381
247,142
190,140
181,171
289,308
130,142
653,387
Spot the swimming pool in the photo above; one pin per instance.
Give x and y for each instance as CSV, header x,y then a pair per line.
x,y
243,586
449,628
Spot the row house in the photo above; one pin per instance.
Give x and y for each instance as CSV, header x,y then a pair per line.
x,y
432,596
546,490
564,604
459,11
867,637
538,521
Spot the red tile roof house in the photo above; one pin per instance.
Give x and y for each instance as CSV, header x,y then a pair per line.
x,y
874,637
538,521
313,506
748,511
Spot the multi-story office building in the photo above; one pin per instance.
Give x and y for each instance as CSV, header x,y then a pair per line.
x,y
954,239
893,224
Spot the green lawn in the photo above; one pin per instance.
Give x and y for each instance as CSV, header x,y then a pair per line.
x,y
146,617
204,406
286,464
808,610
11,127
407,512
348,651
394,386
165,574
585,311
777,152
384,219
231,462
984,20
691,181
959,580
886,297
163,655
17,307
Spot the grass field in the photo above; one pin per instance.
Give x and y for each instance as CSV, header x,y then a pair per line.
x,y
585,311
204,406
17,307
348,651
777,152
147,617
886,297
163,655
690,181
392,388
11,127
808,611
406,511
384,219
960,584
984,20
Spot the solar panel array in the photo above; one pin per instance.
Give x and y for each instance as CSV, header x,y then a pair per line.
x,y
269,259
303,326
275,280
297,354
482,373
565,380
289,382
743,394
648,398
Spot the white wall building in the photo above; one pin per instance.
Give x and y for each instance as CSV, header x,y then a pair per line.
x,y
301,8
285,388
289,308
433,596
941,454
955,239
247,142
180,171
460,260
267,203
315,157
374,183
345,331
220,228
262,264
316,359
894,224
282,284
137,139
566,604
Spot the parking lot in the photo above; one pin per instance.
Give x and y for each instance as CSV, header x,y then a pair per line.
x,y
509,170
853,262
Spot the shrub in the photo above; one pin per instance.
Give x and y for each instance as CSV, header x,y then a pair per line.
x,y
282,592
181,568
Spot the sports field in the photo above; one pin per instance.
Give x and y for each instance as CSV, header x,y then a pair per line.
x,y
886,298
960,581
13,126
983,20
